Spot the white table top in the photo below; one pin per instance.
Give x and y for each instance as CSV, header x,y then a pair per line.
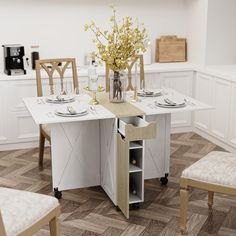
x,y
147,104
43,112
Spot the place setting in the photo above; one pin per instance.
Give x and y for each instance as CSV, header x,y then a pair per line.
x,y
71,110
149,93
171,102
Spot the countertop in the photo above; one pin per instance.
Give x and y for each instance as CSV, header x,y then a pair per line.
x,y
83,70
227,72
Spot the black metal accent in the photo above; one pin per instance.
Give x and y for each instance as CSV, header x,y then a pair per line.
x,y
57,193
164,180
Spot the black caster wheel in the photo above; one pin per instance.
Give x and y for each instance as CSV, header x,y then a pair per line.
x,y
135,206
164,180
57,193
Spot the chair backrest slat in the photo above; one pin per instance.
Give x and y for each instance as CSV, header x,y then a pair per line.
x,y
50,66
130,85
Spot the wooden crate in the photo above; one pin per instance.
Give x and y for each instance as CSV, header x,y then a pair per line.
x,y
171,49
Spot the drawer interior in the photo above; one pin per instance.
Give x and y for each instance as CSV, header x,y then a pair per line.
x,y
134,120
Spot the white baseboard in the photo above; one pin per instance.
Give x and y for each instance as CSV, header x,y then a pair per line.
x,y
21,145
186,129
214,140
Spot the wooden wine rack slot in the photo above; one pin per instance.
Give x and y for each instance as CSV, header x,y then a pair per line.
x,y
136,144
134,168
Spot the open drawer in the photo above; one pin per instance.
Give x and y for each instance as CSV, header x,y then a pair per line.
x,y
136,128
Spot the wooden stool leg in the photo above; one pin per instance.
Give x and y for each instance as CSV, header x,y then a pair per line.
x,y
183,210
210,199
54,227
41,148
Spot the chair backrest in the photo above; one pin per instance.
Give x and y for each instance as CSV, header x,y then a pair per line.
x,y
2,228
129,68
50,66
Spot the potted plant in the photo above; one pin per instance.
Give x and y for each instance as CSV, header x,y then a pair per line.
x,y
117,47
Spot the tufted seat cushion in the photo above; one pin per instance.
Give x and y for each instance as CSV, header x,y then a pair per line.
x,y
21,209
215,168
46,129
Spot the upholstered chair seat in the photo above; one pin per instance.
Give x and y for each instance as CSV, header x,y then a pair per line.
x,y
216,172
216,168
22,210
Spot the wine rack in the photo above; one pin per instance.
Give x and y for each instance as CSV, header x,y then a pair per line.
x,y
130,164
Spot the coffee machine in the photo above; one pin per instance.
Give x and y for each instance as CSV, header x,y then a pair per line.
x,y
13,59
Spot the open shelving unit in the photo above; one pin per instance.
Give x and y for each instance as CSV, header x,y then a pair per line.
x,y
130,147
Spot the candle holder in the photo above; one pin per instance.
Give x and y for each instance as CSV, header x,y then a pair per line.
x,y
94,100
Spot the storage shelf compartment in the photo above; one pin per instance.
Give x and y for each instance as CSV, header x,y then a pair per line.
x,y
134,168
136,158
136,187
134,199
136,144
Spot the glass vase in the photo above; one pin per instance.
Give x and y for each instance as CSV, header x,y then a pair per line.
x,y
117,87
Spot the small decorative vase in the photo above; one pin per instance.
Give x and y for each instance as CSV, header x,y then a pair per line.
x,y
117,87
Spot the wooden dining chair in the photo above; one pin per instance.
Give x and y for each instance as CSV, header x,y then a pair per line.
x,y
51,67
24,213
216,172
129,68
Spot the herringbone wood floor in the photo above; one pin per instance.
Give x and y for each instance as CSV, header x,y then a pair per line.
x,y
90,212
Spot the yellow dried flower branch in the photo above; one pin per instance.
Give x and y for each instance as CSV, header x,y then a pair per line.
x,y
119,46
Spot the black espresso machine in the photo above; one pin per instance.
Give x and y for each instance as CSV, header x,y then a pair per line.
x,y
13,59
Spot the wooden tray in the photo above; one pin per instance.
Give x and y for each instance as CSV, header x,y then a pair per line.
x,y
171,49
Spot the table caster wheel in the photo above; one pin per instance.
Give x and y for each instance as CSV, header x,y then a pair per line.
x,y
57,193
135,206
164,180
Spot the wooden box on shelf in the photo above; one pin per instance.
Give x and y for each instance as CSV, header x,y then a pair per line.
x,y
171,49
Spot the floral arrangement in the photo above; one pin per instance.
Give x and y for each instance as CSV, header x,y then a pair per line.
x,y
119,46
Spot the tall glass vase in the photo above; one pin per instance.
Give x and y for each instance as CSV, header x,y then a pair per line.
x,y
117,87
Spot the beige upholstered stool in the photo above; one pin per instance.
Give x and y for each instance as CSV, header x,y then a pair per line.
x,y
216,172
24,213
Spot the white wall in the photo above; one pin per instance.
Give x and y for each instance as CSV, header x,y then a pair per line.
x,y
57,25
197,30
221,32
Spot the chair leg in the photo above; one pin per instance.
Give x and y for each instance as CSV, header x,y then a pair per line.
x,y
183,210
210,199
41,148
54,227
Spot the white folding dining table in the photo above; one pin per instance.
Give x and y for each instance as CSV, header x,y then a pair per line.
x,y
84,149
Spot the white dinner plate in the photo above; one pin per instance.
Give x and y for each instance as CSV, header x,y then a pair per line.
x,y
170,106
63,111
70,115
171,103
60,98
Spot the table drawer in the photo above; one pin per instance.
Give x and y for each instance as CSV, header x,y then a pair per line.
x,y
136,128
